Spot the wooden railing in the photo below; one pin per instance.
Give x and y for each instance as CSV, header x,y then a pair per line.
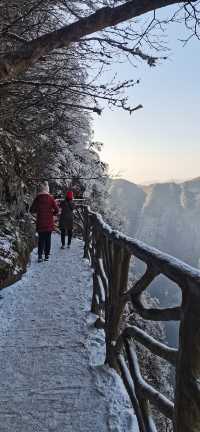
x,y
109,253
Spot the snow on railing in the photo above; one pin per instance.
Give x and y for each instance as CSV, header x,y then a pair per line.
x,y
109,252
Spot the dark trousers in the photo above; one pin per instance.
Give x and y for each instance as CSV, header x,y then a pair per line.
x,y
44,243
63,234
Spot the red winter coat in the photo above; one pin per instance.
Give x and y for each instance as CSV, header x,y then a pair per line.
x,y
45,207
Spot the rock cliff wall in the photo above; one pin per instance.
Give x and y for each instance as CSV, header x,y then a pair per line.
x,y
16,227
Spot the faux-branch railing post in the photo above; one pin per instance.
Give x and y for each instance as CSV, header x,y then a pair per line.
x,y
109,253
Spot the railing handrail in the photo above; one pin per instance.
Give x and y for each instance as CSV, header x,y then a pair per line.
x,y
109,252
168,263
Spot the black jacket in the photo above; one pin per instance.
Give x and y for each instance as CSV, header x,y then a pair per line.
x,y
66,217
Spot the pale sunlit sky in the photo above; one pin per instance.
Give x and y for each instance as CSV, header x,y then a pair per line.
x,y
161,141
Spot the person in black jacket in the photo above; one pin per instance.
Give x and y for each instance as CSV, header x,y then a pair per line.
x,y
66,219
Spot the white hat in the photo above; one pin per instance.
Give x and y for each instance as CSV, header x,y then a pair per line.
x,y
44,187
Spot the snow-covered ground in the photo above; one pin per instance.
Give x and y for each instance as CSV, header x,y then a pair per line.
x,y
52,376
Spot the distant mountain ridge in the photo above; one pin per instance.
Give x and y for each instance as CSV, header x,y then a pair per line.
x,y
128,198
166,216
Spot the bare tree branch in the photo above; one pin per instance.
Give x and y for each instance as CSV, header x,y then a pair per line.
x,y
21,60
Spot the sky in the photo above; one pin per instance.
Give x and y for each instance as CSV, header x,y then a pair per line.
x,y
160,142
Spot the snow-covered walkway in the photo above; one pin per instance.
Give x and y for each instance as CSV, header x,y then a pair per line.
x,y
51,373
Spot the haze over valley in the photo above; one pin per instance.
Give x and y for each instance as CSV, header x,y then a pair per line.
x,y
167,217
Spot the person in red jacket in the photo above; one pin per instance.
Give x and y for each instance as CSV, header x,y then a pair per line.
x,y
45,207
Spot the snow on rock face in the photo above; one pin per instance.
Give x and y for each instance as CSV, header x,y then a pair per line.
x,y
16,231
52,374
4,244
16,242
